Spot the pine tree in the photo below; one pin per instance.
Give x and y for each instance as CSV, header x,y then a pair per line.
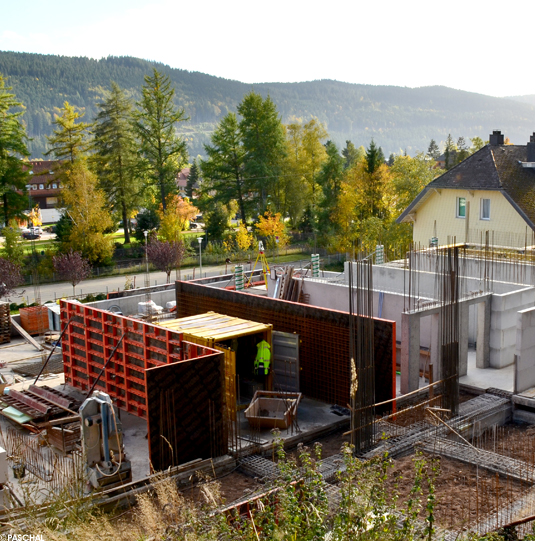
x,y
449,153
462,150
70,140
373,157
351,154
224,169
433,151
116,158
262,136
156,123
13,140
193,179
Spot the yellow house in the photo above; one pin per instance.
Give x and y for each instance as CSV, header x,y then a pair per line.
x,y
491,193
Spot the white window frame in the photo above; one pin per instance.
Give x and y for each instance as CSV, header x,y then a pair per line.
x,y
41,186
481,217
457,208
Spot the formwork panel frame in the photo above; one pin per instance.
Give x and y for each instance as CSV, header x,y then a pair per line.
x,y
90,340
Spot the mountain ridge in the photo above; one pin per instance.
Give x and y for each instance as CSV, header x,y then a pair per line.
x,y
398,118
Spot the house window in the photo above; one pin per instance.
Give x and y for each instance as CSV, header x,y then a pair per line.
x,y
485,209
54,186
34,186
41,186
461,207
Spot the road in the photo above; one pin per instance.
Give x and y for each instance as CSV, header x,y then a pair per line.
x,y
57,290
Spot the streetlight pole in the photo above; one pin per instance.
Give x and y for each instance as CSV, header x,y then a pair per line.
x,y
29,187
200,239
147,279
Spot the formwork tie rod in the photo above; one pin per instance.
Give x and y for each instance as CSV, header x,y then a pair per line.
x,y
105,365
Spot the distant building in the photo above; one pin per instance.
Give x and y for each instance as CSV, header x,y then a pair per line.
x,y
44,188
493,191
182,181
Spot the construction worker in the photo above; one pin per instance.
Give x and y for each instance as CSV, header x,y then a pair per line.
x,y
263,358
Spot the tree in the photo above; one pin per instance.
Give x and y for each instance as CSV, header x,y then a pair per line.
x,y
462,150
147,220
433,151
351,154
449,152
165,255
262,136
477,144
12,248
14,173
373,158
175,217
193,179
224,170
330,179
305,154
156,123
70,139
271,226
409,178
116,159
244,238
216,218
86,206
10,277
63,228
73,267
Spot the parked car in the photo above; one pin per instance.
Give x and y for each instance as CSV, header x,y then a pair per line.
x,y
32,233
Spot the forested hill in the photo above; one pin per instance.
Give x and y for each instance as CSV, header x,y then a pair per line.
x,y
397,118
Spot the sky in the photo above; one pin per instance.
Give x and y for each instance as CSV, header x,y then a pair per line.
x,y
467,45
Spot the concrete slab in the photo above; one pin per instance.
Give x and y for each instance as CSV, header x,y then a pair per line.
x,y
311,416
484,378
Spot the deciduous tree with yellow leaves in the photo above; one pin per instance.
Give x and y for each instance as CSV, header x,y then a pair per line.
x,y
273,229
175,217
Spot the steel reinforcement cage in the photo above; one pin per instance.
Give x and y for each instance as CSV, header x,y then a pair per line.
x,y
89,341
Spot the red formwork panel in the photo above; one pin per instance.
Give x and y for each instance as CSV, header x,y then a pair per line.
x,y
90,338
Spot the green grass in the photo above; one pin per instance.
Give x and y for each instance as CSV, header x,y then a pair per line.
x,y
40,245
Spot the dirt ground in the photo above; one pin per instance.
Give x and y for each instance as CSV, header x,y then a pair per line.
x,y
463,493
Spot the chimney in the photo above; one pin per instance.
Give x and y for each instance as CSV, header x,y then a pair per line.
x,y
496,138
531,148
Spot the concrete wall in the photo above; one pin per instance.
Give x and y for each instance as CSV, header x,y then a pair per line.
x,y
386,278
525,350
440,209
128,305
503,324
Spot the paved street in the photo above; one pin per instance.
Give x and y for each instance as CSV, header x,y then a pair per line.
x,y
50,292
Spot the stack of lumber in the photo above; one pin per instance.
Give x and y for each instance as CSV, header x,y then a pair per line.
x,y
5,323
290,287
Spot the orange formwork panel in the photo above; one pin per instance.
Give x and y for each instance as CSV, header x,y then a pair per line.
x,y
90,339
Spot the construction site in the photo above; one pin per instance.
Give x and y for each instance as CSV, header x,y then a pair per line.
x,y
432,355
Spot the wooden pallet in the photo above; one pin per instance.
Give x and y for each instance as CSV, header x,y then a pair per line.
x,y
5,323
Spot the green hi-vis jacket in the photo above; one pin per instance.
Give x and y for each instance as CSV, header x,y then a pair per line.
x,y
263,358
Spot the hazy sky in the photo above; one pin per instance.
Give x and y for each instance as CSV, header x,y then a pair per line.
x,y
470,45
